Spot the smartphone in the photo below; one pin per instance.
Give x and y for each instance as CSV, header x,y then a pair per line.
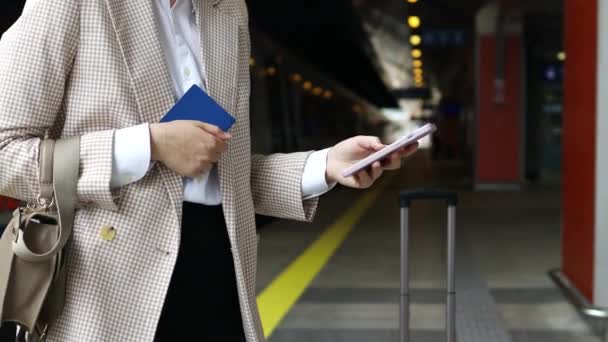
x,y
390,149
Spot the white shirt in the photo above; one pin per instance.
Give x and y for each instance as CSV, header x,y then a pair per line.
x,y
180,41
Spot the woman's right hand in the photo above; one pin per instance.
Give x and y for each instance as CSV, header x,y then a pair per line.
x,y
189,148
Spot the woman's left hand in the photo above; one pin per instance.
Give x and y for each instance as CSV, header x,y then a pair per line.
x,y
350,151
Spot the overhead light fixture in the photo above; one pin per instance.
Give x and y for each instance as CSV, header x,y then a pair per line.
x,y
412,1
417,63
415,39
561,56
317,91
297,78
328,95
418,72
271,71
416,53
307,85
414,21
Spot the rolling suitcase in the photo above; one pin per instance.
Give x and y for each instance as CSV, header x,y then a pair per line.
x,y
405,200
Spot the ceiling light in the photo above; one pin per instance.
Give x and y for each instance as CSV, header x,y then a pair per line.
x,y
271,71
414,21
415,40
297,78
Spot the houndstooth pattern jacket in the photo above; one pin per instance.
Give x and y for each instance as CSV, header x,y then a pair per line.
x,y
89,67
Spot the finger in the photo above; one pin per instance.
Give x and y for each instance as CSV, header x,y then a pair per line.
x,y
216,150
213,157
209,151
363,179
370,143
410,148
358,181
376,171
214,130
206,148
391,158
220,146
393,162
408,154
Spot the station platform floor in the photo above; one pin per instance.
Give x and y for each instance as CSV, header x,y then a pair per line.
x,y
337,279
507,241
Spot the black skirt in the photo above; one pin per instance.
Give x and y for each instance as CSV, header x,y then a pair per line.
x,y
203,282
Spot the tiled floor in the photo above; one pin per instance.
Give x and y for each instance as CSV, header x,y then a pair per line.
x,y
508,241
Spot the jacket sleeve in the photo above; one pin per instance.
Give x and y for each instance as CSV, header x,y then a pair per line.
x,y
277,186
36,57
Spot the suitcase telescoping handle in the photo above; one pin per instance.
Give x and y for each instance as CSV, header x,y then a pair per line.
x,y
405,200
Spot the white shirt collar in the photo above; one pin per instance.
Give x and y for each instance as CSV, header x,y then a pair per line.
x,y
181,5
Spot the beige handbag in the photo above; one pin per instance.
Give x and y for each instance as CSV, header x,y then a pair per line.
x,y
32,275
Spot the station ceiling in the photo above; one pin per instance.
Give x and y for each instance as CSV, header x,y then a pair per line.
x,y
329,35
365,43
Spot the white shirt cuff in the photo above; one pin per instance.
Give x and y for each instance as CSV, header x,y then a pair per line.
x,y
131,159
314,183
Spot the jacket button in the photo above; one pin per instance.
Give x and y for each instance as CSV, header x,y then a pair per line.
x,y
107,233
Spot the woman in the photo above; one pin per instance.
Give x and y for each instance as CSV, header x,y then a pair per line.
x,y
166,221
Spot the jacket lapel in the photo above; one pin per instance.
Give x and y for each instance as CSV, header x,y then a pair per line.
x,y
219,34
137,33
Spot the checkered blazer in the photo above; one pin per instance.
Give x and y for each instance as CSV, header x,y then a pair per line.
x,y
89,67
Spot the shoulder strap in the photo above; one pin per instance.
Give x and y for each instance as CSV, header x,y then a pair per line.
x,y
47,147
65,167
65,178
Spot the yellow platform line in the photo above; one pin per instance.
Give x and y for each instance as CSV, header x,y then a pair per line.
x,y
284,291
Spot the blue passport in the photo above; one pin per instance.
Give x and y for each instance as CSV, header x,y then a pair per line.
x,y
197,105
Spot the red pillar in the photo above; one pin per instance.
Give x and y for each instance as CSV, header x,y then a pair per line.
x,y
498,161
579,143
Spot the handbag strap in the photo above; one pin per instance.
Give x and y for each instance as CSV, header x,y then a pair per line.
x,y
65,166
47,147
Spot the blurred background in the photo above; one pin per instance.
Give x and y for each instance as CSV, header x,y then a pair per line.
x,y
516,91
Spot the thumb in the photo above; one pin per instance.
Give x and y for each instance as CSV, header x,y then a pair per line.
x,y
213,130
371,143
